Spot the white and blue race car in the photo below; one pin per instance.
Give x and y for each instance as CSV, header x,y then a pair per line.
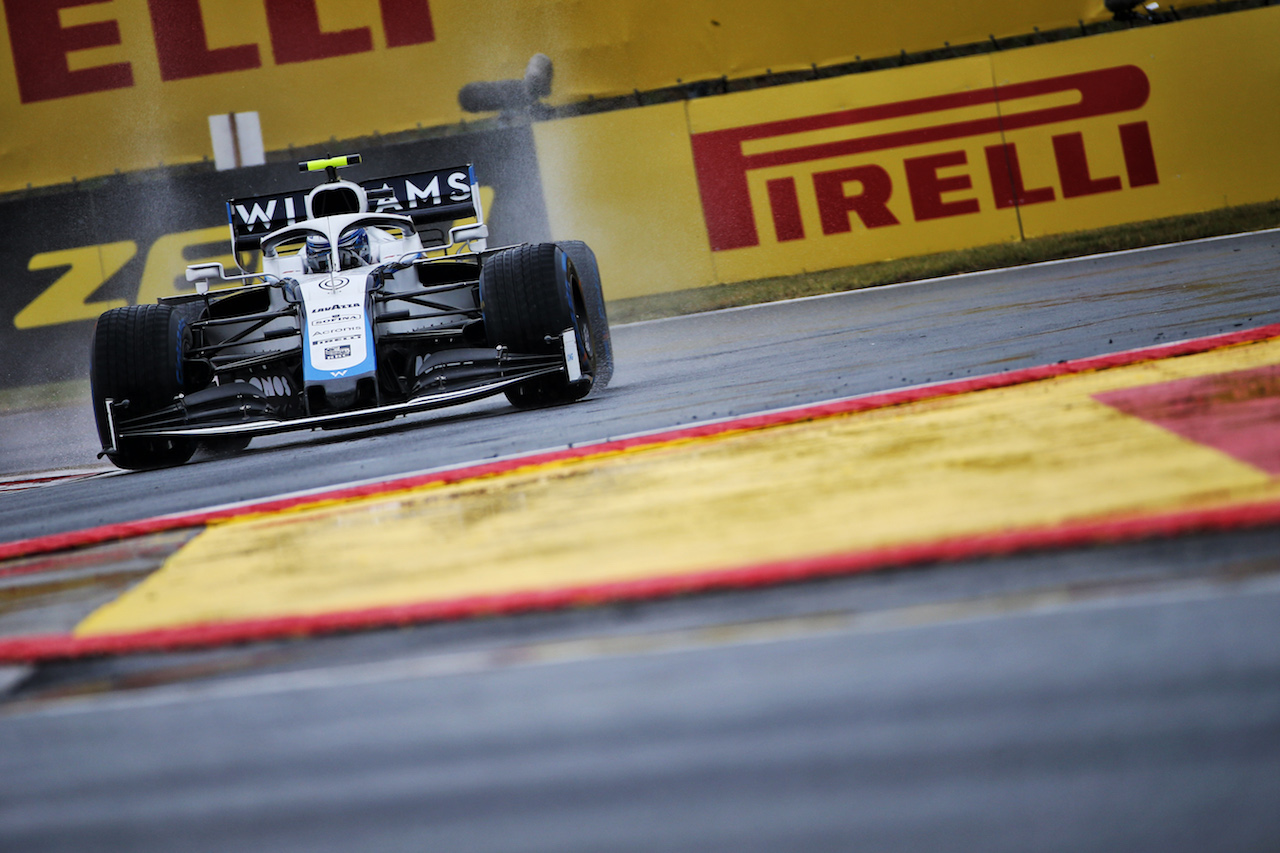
x,y
370,304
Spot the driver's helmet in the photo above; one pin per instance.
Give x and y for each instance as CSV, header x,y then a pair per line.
x,y
316,254
353,249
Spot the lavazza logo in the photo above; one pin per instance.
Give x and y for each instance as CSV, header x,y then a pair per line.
x,y
724,166
327,308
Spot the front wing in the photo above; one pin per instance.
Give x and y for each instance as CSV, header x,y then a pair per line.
x,y
246,420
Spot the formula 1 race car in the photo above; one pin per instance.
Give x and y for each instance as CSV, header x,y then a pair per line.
x,y
370,304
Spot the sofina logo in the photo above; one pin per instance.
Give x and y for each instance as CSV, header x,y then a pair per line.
x,y
725,159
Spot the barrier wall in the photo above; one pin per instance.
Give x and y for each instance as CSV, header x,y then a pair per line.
x,y
1080,134
91,87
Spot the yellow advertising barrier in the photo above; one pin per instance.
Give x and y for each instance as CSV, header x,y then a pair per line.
x,y
96,86
1079,134
1205,137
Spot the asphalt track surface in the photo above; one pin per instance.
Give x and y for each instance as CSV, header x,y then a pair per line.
x,y
1120,697
699,368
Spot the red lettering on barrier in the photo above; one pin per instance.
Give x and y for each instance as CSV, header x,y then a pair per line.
x,y
926,187
785,204
722,166
1139,158
407,22
296,35
183,47
1006,179
40,43
871,205
1073,168
40,46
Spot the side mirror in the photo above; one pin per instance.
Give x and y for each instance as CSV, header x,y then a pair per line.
x,y
201,274
469,233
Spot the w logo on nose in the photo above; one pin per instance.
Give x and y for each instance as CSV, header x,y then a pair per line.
x,y
336,373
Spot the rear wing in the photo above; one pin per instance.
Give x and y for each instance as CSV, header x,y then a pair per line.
x,y
441,195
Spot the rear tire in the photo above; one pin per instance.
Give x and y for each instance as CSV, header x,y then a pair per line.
x,y
530,293
138,356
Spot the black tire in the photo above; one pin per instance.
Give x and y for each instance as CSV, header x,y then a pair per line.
x,y
584,261
138,356
530,293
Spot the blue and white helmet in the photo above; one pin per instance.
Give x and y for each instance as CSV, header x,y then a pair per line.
x,y
316,254
353,251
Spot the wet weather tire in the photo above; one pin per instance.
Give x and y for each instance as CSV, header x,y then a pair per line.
x,y
584,261
138,356
530,295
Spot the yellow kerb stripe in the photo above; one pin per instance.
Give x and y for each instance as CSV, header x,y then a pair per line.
x,y
1033,455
